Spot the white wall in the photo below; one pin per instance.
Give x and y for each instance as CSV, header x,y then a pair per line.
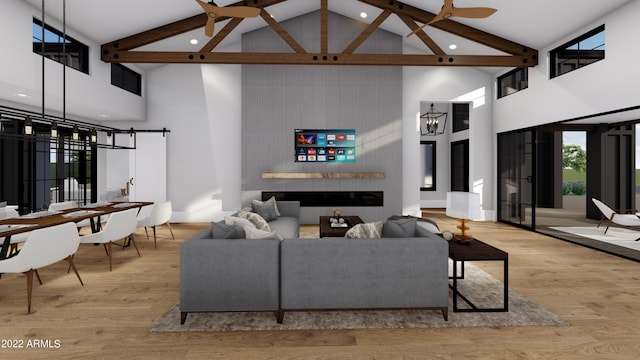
x,y
87,96
432,84
606,85
200,105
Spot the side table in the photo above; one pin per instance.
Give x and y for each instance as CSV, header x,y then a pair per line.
x,y
476,250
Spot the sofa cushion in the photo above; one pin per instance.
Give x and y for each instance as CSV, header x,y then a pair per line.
x,y
253,233
365,231
256,219
220,230
399,228
268,209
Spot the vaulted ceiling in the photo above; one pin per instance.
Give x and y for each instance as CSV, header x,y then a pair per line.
x,y
513,54
531,24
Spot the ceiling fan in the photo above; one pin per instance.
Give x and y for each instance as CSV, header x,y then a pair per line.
x,y
213,11
448,10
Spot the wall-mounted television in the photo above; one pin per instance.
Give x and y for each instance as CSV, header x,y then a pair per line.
x,y
325,145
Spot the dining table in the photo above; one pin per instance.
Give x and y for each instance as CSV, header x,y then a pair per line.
x,y
43,219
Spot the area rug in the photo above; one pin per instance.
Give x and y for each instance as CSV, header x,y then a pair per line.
x,y
478,286
616,236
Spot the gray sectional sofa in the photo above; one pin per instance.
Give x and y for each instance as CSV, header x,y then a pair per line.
x,y
312,274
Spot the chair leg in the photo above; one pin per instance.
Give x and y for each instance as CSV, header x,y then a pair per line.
x,y
133,241
69,259
38,276
146,232
155,242
110,253
29,288
170,230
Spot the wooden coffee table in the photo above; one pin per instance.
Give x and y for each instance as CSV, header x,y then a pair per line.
x,y
327,231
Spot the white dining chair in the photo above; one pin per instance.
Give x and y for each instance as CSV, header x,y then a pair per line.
x,y
66,205
160,215
15,238
121,225
44,247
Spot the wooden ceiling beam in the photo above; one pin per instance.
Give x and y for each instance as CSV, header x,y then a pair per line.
x,y
455,28
160,57
174,28
426,39
120,51
367,32
282,32
324,26
220,35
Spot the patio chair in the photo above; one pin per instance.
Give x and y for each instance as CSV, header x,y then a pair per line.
x,y
624,220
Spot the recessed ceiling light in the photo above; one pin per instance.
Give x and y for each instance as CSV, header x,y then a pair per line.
x,y
104,116
22,95
363,15
194,41
453,46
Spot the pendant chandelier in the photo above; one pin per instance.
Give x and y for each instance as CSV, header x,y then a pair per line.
x,y
433,122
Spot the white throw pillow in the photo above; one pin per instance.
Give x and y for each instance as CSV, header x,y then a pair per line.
x,y
243,223
257,220
253,233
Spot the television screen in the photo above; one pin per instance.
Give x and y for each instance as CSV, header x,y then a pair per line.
x,y
327,145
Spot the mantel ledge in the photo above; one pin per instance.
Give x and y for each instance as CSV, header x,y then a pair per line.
x,y
323,175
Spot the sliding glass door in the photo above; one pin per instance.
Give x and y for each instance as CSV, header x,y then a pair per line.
x,y
516,175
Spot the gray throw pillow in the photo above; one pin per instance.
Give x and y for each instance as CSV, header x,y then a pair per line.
x,y
425,223
268,209
399,228
220,230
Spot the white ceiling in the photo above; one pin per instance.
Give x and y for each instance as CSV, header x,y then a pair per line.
x,y
532,23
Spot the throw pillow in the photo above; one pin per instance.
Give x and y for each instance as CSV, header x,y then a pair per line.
x,y
399,228
253,233
234,220
425,223
220,230
365,231
268,209
257,220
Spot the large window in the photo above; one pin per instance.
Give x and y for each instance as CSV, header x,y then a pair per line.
x,y
125,78
579,52
60,48
513,81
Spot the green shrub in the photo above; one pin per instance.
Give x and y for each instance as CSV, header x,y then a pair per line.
x,y
579,188
566,188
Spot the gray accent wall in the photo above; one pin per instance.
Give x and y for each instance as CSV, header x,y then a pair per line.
x,y
280,98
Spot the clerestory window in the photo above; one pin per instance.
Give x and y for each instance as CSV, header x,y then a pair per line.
x,y
578,53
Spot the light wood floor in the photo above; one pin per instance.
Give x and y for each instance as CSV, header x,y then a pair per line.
x,y
110,317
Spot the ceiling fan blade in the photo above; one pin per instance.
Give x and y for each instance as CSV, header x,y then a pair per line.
x,y
473,12
435,19
209,28
238,11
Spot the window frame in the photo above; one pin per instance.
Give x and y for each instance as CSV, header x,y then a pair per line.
x,y
127,74
81,53
423,161
553,54
514,80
